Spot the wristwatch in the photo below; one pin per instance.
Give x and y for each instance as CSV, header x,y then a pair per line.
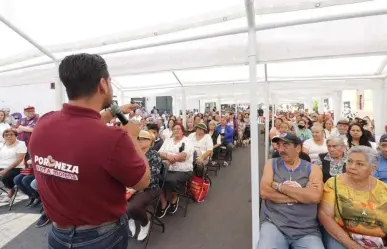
x,y
276,185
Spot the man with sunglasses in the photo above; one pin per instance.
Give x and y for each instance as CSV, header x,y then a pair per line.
x,y
290,188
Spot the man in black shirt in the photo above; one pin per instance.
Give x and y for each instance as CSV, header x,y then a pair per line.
x,y
154,129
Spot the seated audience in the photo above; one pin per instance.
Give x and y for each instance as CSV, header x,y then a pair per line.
x,y
3,124
190,127
43,219
12,153
178,151
332,163
167,132
216,139
329,128
303,132
353,208
154,129
381,170
139,200
203,147
315,145
290,188
23,182
227,133
356,136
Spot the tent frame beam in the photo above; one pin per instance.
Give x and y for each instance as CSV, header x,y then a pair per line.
x,y
268,26
177,78
221,16
27,37
243,81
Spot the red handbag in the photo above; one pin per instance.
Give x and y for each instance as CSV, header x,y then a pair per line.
x,y
199,188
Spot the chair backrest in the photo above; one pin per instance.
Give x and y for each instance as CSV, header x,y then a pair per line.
x,y
164,174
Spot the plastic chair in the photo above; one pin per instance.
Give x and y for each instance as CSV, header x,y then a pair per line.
x,y
213,165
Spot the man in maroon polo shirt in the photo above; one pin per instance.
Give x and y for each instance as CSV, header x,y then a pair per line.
x,y
82,166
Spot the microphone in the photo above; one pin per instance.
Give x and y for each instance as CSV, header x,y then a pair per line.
x,y
115,109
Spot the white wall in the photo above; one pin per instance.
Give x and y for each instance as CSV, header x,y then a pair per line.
x,y
38,95
192,104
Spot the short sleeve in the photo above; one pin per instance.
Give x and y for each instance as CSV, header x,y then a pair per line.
x,y
21,148
209,143
307,144
188,148
318,162
163,147
126,165
329,191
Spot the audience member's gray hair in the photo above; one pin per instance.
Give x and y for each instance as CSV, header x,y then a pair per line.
x,y
212,122
370,154
337,140
317,126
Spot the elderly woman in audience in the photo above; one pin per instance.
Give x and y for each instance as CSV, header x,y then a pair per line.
x,y
3,124
353,209
315,145
12,153
139,200
357,136
167,132
203,147
178,151
329,128
332,163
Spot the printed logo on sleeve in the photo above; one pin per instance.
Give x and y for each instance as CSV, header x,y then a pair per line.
x,y
49,166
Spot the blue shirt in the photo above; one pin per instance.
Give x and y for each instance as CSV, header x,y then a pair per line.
x,y
381,170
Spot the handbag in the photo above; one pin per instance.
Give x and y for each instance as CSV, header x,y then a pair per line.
x,y
199,188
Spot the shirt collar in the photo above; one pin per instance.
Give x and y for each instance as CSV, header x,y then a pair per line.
x,y
329,158
80,111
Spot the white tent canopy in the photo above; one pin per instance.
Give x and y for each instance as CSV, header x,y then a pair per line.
x,y
198,50
342,48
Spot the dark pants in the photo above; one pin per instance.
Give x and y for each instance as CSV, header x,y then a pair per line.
x,y
8,177
137,204
23,182
228,151
112,236
174,180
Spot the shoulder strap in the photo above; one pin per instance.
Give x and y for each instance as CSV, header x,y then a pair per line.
x,y
337,203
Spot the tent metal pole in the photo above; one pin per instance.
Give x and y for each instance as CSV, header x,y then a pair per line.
x,y
252,57
184,107
26,37
266,100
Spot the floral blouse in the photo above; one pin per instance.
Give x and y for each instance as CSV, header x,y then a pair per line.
x,y
155,164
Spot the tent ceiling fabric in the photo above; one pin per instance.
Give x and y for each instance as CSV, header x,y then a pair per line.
x,y
355,47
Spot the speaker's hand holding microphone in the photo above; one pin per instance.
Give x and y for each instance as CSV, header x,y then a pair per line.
x,y
130,127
